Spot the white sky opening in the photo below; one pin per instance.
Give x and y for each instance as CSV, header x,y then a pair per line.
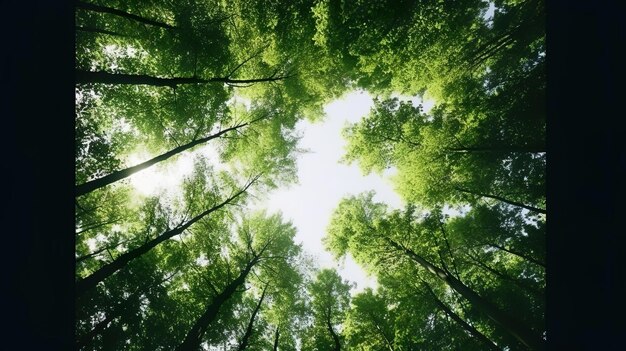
x,y
322,180
489,13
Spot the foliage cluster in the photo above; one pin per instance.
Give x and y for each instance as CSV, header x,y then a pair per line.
x,y
461,266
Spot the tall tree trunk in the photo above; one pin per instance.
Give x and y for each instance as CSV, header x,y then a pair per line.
x,y
381,331
194,336
100,31
246,336
127,172
475,333
511,324
276,336
512,252
500,198
506,149
82,258
522,285
83,77
92,226
107,270
86,339
333,334
104,9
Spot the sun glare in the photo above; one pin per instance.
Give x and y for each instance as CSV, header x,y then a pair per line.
x,y
159,177
168,176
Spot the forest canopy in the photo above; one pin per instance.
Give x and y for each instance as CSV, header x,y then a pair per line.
x,y
461,265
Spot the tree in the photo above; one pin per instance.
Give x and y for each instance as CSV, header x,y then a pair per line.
x,y
282,33
243,344
369,324
471,329
102,273
421,320
287,311
118,310
442,157
84,77
330,298
104,9
461,267
361,227
272,240
193,338
412,48
127,172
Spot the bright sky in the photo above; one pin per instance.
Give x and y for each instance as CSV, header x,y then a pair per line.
x,y
323,181
488,16
168,176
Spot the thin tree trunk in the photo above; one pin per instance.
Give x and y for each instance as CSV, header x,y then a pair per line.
x,y
127,172
503,276
104,9
511,324
507,149
526,257
107,270
488,46
510,36
500,198
491,52
86,339
82,258
477,334
83,77
381,331
276,335
246,336
100,31
96,225
194,336
333,334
